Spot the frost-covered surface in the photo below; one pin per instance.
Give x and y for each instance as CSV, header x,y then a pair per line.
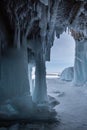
x,y
24,108
71,112
67,74
72,109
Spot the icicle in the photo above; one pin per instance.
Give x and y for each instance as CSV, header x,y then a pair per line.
x,y
18,38
30,77
15,36
34,6
68,30
65,28
48,11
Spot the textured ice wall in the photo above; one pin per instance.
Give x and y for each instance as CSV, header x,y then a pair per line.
x,y
80,67
33,24
14,74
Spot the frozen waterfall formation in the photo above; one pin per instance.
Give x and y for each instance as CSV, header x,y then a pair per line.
x,y
27,31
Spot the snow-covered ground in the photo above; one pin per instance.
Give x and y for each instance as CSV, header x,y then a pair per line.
x,y
71,112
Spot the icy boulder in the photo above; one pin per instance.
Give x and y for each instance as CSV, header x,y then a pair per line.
x,y
67,74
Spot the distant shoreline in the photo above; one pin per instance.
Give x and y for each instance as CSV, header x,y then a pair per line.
x,y
49,76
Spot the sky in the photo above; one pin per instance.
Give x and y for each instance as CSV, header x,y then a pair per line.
x,y
62,54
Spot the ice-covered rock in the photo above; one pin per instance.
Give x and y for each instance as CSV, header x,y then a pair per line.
x,y
67,74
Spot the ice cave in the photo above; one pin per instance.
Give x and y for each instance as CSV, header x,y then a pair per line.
x,y
27,34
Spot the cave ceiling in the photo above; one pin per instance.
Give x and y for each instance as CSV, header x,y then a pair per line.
x,y
41,18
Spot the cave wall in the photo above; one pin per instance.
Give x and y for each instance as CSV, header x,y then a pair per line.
x,y
31,26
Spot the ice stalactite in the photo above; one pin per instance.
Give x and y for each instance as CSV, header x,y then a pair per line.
x,y
40,90
17,37
80,66
52,22
31,65
30,77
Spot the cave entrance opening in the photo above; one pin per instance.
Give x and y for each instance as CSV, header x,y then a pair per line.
x,y
62,54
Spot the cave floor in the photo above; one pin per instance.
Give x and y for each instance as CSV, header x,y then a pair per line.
x,y
71,112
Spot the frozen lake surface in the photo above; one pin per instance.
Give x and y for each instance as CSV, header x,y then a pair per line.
x,y
71,112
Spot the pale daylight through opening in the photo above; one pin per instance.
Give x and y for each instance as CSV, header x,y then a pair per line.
x,y
62,53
